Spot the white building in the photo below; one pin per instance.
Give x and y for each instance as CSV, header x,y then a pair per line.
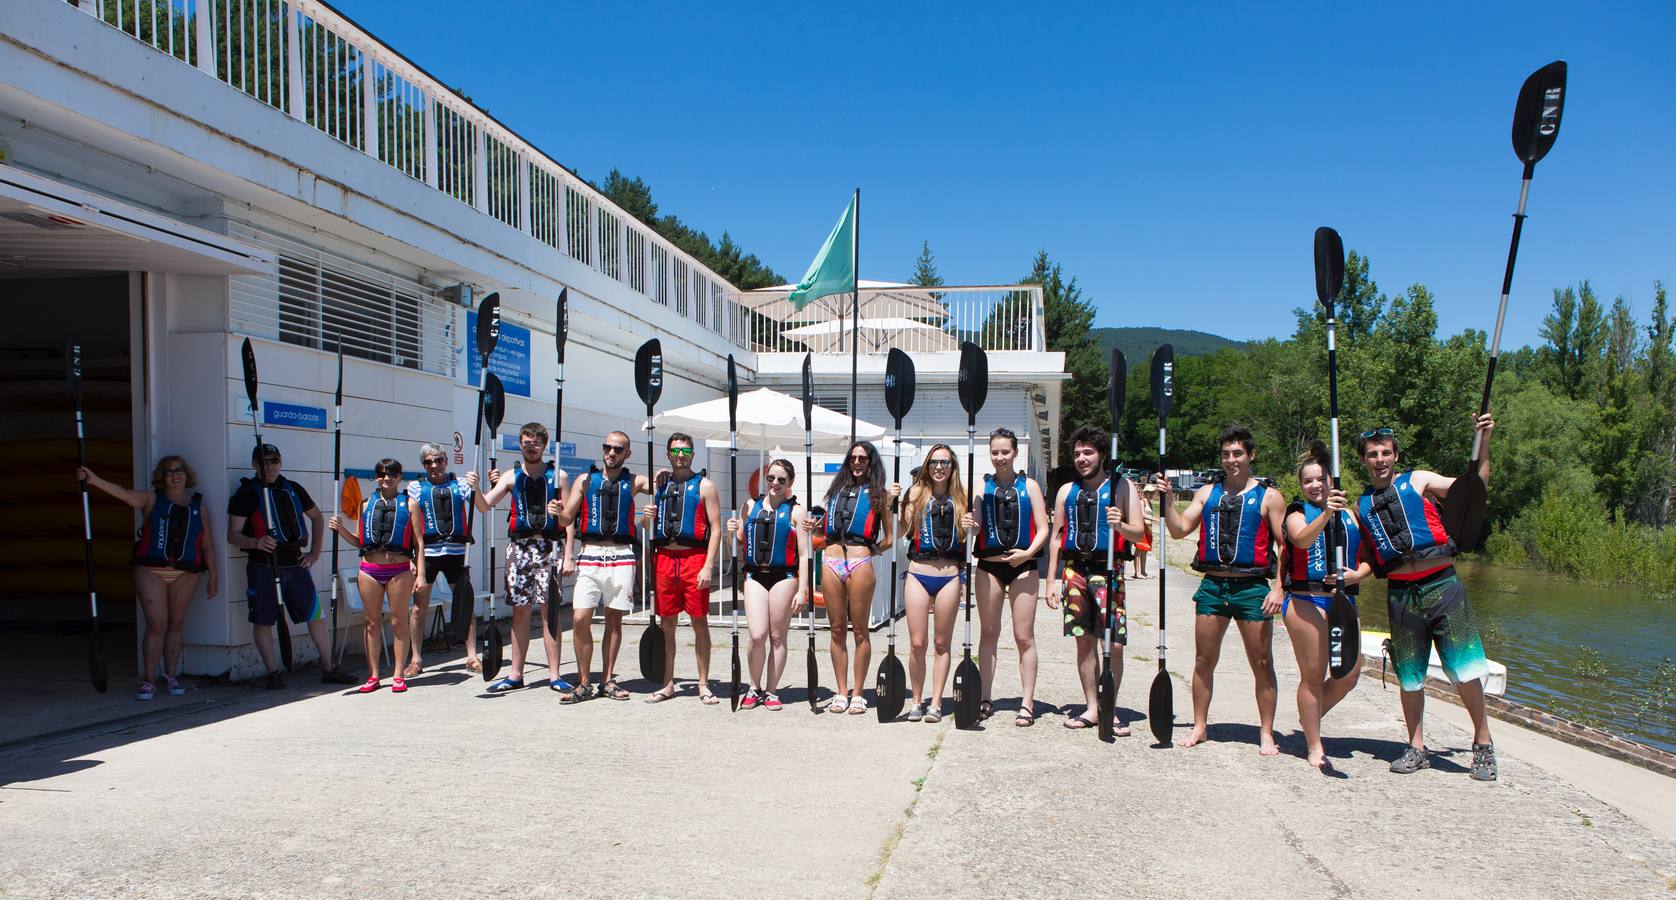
x,y
178,175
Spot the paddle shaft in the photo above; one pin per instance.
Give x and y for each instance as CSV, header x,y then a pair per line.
x,y
1161,533
282,623
733,545
87,528
895,478
1111,543
337,500
971,534
855,323
558,444
1501,311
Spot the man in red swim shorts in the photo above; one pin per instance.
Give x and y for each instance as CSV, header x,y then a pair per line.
x,y
686,535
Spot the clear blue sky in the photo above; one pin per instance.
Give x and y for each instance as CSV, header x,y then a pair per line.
x,y
1176,160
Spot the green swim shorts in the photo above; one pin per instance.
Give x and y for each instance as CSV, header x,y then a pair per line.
x,y
1235,598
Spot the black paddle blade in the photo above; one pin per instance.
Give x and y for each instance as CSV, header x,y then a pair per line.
x,y
974,379
890,691
492,659
248,354
97,671
465,606
1329,266
651,653
283,627
488,325
1160,707
899,385
732,396
1536,115
648,373
814,677
552,612
1115,390
1463,510
1106,700
72,367
494,404
808,392
337,398
736,672
1163,380
561,320
1344,636
968,692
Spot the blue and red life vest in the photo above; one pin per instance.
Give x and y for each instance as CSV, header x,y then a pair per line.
x,y
607,512
1234,536
291,529
170,536
770,538
1007,521
681,519
1086,532
385,525
1401,524
443,507
1306,569
530,496
851,517
937,537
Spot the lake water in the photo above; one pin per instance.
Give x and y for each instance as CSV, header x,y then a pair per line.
x,y
1590,653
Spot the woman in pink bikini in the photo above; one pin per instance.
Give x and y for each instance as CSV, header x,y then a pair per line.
x,y
857,529
392,545
170,549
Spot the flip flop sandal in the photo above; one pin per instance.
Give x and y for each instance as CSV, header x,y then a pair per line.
x,y
1024,719
1078,723
709,699
659,696
613,691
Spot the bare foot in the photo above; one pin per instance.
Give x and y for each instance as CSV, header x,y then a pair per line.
x,y
1318,760
1194,737
1266,745
474,665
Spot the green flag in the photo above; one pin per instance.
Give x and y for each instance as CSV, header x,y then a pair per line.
x,y
833,271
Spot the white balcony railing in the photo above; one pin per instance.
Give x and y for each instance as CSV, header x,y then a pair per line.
x,y
913,319
305,59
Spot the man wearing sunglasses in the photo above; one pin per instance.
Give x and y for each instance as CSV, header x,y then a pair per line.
x,y
279,542
686,536
600,510
1407,544
534,532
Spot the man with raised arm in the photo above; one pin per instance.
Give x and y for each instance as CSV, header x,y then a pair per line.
x,y
533,552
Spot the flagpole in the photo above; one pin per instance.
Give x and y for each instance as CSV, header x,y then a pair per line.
x,y
855,308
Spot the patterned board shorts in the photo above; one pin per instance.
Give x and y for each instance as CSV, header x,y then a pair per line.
x,y
1086,598
1434,612
530,570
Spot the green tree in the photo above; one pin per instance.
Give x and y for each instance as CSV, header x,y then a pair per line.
x,y
1575,332
925,268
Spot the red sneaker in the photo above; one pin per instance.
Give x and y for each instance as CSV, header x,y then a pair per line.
x,y
370,686
398,685
749,701
771,702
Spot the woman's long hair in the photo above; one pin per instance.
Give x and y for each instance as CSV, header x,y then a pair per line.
x,y
920,491
875,475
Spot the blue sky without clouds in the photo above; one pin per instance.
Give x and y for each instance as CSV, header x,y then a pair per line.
x,y
1176,159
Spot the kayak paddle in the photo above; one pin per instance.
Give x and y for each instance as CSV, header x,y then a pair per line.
x,y
1160,704
1536,124
494,409
973,389
337,500
1344,631
809,486
561,323
648,383
1106,693
891,687
488,334
282,623
733,504
97,670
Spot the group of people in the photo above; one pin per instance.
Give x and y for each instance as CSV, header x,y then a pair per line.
x,y
1259,556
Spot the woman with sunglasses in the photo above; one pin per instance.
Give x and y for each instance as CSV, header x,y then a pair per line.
x,y
392,546
857,529
935,521
1012,529
440,503
773,550
170,549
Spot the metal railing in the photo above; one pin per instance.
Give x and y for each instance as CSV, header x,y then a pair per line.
x,y
305,59
914,319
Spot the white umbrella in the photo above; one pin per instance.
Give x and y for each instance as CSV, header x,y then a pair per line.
x,y
767,418
878,298
876,334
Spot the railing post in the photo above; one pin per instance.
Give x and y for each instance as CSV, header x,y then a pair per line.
x,y
369,105
430,140
1038,319
524,195
480,169
592,224
298,99
204,34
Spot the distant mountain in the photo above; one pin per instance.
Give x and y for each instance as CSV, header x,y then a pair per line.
x,y
1138,343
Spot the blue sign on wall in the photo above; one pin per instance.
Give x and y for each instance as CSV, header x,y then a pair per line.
x,y
511,360
290,415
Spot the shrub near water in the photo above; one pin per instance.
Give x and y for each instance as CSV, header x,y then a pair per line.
x,y
1568,531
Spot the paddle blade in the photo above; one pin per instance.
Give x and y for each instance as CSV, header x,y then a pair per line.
x,y
561,321
488,326
97,671
974,379
72,367
1463,510
968,693
890,692
1329,266
1115,389
493,658
283,627
899,385
552,609
1106,700
248,354
1536,114
808,392
494,403
349,499
736,673
648,373
1163,380
1160,707
337,398
465,606
814,677
651,653
732,395
1344,636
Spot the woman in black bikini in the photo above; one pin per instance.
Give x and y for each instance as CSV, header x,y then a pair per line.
x,y
857,528
1012,529
774,548
935,520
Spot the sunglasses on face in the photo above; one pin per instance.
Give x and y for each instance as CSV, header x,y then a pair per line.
x,y
385,475
940,463
1377,432
437,461
177,470
776,479
680,451
861,458
613,448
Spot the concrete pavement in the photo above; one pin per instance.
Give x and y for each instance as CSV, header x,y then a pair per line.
x,y
443,791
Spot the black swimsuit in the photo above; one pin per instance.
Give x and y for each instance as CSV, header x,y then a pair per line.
x,y
1005,573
